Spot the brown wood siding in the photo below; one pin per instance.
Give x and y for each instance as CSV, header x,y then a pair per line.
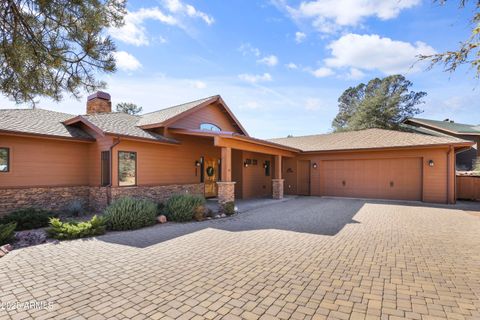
x,y
213,114
255,183
237,172
434,183
399,179
289,173
45,162
468,187
159,164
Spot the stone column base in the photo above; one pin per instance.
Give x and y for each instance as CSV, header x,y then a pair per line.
x,y
226,191
277,188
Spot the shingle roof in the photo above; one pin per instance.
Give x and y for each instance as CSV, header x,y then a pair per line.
x,y
163,115
39,121
449,126
364,139
123,124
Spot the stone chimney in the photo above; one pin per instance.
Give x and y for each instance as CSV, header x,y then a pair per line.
x,y
99,102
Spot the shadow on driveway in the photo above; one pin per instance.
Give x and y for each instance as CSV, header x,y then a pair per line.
x,y
312,215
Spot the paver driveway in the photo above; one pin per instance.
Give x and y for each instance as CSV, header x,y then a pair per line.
x,y
308,258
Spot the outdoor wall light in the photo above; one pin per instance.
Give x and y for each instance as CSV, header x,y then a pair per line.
x,y
431,163
265,165
314,165
245,164
197,163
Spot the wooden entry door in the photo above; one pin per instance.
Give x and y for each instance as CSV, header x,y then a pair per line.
x,y
303,177
210,174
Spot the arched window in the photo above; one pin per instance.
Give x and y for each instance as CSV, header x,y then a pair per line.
x,y
209,127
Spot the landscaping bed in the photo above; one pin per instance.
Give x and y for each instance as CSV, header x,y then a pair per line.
x,y
33,226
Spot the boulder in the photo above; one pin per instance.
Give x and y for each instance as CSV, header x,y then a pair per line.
x,y
162,219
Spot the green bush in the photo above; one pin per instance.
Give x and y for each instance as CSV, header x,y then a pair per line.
x,y
7,232
182,207
29,218
129,214
229,208
74,229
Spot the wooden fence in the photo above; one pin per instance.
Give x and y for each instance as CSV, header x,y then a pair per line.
x,y
468,187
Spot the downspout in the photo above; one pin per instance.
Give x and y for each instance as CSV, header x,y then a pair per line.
x,y
109,195
449,180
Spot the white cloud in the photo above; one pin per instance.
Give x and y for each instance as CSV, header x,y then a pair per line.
x,y
247,49
250,105
134,31
126,62
331,15
372,52
270,60
176,6
254,78
313,104
355,74
322,72
291,66
199,84
300,36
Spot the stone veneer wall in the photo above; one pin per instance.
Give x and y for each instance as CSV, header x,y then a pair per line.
x,y
95,198
49,198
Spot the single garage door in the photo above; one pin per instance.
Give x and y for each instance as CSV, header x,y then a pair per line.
x,y
399,179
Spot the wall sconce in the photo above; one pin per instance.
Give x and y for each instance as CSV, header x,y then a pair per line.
x,y
245,164
197,163
265,165
431,163
314,165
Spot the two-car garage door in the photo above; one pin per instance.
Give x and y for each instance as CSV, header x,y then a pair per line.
x,y
399,178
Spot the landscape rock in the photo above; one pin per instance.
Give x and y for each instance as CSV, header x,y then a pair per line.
x,y
162,219
30,238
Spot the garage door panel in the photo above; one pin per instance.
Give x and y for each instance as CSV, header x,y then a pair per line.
x,y
374,178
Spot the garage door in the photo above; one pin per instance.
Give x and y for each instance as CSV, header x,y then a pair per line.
x,y
399,179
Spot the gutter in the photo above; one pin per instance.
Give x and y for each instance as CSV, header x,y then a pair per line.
x,y
449,180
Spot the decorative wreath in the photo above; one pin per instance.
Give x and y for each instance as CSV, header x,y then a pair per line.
x,y
210,171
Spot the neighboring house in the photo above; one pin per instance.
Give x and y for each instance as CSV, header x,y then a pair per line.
x,y
465,160
50,159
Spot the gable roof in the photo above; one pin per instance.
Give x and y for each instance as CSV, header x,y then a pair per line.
x,y
446,126
119,123
40,122
365,139
166,116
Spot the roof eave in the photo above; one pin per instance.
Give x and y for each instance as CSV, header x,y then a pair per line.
x,y
433,127
46,136
134,138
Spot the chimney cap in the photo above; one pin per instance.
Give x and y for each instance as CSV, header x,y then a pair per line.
x,y
99,95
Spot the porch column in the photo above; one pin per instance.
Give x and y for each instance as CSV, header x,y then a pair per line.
x,y
277,181
226,187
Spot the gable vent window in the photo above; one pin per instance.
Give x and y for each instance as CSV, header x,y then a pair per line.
x,y
209,127
4,159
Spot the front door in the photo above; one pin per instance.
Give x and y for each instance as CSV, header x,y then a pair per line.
x,y
303,177
211,177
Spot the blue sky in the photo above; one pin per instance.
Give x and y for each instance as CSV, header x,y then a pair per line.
x,y
281,64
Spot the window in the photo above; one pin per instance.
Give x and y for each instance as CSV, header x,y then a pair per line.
x,y
209,127
4,159
127,168
105,168
267,168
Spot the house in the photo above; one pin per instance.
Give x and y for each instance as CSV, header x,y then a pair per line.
x,y
50,159
465,161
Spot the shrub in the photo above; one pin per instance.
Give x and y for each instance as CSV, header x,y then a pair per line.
x,y
182,207
7,232
29,218
200,213
128,214
76,208
228,208
74,229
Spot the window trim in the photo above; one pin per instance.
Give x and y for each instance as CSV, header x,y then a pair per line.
x,y
118,168
8,159
209,123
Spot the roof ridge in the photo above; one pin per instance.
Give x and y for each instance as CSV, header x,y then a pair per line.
x,y
181,104
329,133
